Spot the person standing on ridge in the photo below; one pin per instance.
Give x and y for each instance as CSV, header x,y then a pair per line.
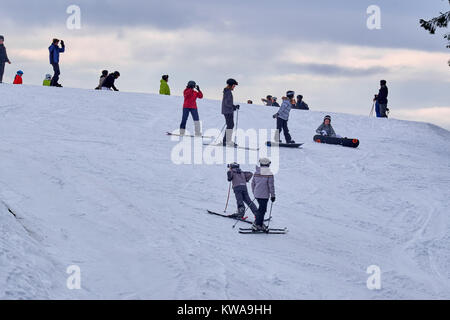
x,y
190,106
164,87
382,99
282,117
3,58
263,187
54,51
228,109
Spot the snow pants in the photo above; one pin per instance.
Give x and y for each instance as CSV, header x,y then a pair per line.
x,y
261,211
2,70
242,197
56,74
229,120
186,111
282,126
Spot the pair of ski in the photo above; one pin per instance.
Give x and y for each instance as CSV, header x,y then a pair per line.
x,y
249,230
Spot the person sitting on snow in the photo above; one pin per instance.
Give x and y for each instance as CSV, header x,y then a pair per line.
x,y
18,78
239,180
325,129
102,79
263,187
47,81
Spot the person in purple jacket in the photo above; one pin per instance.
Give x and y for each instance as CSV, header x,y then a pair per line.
x,y
263,187
239,180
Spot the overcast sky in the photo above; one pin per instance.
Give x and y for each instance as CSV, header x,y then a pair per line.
x,y
321,49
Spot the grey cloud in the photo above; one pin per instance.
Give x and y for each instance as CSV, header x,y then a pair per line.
x,y
332,70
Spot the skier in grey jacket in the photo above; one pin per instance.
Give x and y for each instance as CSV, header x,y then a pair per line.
x,y
3,58
228,109
239,180
282,117
325,129
263,187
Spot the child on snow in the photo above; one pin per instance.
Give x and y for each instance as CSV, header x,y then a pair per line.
x,y
239,180
282,117
325,129
18,78
102,78
190,106
263,187
47,81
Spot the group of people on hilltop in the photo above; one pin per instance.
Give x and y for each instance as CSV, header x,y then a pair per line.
x,y
271,101
107,81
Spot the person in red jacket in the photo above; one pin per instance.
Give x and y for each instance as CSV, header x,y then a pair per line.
x,y
18,78
190,106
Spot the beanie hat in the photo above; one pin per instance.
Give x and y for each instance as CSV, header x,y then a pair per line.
x,y
165,77
327,118
20,72
191,84
264,162
2,38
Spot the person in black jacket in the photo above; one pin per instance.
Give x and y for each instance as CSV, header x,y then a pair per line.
x,y
3,58
302,105
382,99
108,84
228,109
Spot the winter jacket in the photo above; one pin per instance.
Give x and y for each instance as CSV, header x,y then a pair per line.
x,y
100,82
54,51
285,109
164,88
227,102
301,105
275,104
109,82
190,97
382,95
263,183
47,83
327,128
3,55
238,177
17,79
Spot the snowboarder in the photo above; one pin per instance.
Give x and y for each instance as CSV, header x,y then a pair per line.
x,y
190,106
282,117
263,187
47,80
164,87
382,99
275,103
108,83
325,129
18,78
239,180
228,109
54,51
3,58
302,105
102,79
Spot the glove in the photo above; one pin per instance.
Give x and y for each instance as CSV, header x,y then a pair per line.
x,y
275,115
324,133
62,43
272,199
237,107
197,87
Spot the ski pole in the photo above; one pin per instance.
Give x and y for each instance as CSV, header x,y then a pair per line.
x,y
228,198
215,141
371,111
237,125
270,216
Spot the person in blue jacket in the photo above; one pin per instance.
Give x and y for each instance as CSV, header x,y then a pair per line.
x,y
54,51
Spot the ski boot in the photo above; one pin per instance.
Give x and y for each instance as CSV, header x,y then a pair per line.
x,y
259,228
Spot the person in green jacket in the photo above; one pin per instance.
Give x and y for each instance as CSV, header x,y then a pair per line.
x,y
47,80
164,88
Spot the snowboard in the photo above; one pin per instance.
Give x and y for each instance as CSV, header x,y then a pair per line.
x,y
346,142
284,145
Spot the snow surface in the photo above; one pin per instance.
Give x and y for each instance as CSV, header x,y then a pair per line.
x,y
90,178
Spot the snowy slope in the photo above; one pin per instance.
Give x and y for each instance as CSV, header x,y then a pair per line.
x,y
90,178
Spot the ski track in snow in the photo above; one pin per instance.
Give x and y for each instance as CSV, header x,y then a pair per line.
x,y
91,181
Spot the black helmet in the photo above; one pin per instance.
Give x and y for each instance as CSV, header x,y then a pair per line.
x,y
290,94
233,165
232,82
117,73
165,77
104,72
383,82
191,84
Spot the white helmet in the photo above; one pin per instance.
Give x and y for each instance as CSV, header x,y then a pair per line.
x,y
265,162
48,76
